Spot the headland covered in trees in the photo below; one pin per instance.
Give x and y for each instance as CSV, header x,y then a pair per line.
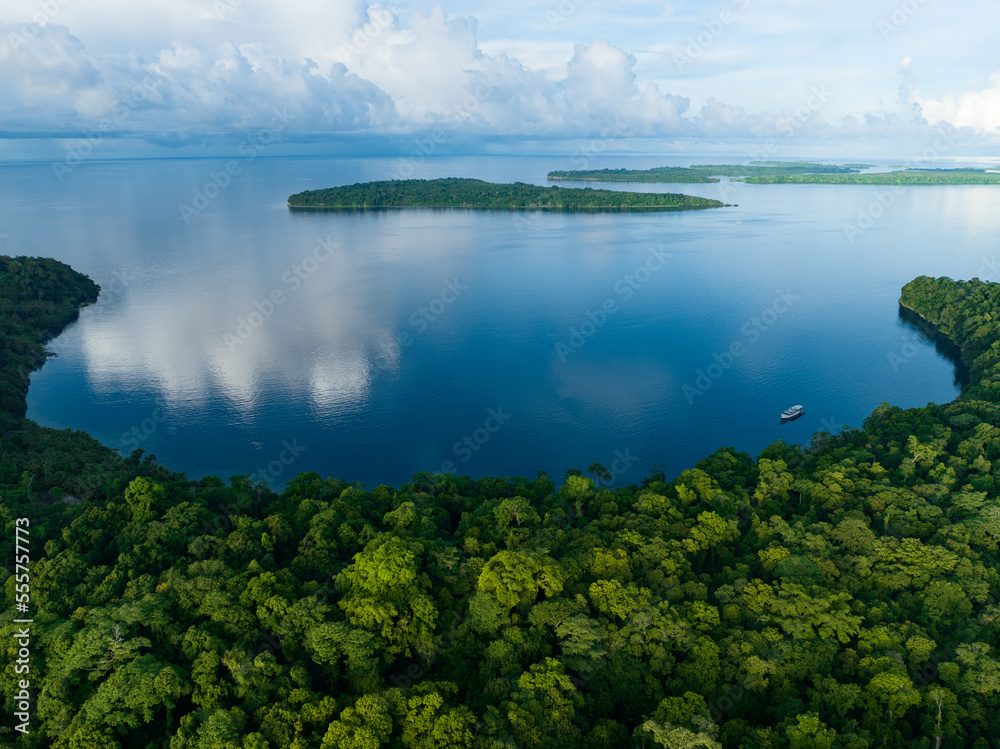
x,y
38,298
474,193
788,172
845,594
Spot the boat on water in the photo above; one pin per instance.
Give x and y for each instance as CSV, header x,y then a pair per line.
x,y
792,413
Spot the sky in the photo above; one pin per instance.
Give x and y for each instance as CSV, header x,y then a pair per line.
x,y
182,75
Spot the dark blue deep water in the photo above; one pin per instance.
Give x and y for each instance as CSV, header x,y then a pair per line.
x,y
373,345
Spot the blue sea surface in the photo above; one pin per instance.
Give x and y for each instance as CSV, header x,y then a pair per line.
x,y
235,336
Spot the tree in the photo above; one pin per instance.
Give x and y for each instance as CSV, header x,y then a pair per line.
x,y
609,597
801,615
429,724
366,725
809,732
577,488
774,482
942,713
334,643
599,472
678,737
544,707
710,531
515,519
515,578
135,693
141,495
894,692
387,595
702,668
946,602
981,672
581,637
486,613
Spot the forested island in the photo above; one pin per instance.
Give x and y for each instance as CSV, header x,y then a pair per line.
x,y
706,172
895,177
474,193
845,594
657,174
790,172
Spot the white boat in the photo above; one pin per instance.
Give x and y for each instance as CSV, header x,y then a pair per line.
x,y
792,412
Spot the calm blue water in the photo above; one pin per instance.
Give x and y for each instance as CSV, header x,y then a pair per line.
x,y
593,337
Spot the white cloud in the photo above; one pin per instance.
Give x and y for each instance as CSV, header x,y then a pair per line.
x,y
45,79
346,67
436,72
978,110
50,83
242,87
383,78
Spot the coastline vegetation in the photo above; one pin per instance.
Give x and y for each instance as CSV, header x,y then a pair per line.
x,y
845,594
474,193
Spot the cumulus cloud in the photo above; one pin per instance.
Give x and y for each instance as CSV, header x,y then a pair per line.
x,y
48,83
45,78
362,69
978,110
426,68
382,78
436,73
600,88
242,87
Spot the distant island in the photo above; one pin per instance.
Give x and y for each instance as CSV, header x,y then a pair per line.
x,y
474,193
899,177
706,172
787,172
658,174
